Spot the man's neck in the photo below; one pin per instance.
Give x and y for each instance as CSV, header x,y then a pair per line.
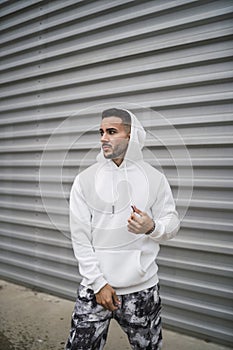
x,y
118,161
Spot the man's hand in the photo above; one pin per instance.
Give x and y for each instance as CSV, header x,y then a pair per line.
x,y
139,222
107,298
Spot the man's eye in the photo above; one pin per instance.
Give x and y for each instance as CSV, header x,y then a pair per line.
x,y
111,132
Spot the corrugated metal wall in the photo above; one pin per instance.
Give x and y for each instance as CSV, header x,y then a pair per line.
x,y
62,62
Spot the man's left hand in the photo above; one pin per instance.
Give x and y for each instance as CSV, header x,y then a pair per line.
x,y
139,222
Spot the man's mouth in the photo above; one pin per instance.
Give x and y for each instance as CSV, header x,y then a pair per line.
x,y
106,146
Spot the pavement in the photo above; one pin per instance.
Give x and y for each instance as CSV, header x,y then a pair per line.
x,y
32,320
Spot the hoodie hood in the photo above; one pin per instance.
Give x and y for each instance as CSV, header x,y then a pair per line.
x,y
136,142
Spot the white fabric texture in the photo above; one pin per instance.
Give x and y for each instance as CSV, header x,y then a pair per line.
x,y
100,205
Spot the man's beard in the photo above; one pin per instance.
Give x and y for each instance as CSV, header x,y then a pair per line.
x,y
110,156
118,151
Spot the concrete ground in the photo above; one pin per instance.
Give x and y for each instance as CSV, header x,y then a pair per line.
x,y
32,320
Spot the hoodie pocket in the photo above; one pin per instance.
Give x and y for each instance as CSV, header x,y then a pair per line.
x,y
121,268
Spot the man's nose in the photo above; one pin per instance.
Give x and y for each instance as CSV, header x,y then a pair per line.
x,y
104,137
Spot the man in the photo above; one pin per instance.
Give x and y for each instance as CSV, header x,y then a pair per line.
x,y
120,209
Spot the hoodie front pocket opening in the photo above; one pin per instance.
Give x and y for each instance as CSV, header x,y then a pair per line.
x,y
121,268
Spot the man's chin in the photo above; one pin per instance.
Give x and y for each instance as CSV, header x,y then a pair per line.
x,y
108,156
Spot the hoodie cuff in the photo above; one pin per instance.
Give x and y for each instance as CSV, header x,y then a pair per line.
x,y
99,284
158,231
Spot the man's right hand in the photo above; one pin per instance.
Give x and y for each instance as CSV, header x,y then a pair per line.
x,y
107,298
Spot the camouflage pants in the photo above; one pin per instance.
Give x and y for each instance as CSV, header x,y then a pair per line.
x,y
138,315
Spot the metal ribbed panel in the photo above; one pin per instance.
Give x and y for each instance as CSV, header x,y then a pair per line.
x,y
61,64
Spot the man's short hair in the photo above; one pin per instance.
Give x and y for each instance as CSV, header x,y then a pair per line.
x,y
120,113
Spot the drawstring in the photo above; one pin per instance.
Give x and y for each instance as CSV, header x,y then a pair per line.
x,y
113,194
128,184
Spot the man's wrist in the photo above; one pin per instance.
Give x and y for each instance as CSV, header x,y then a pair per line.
x,y
151,230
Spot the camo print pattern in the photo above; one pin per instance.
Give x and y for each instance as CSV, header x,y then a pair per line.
x,y
138,315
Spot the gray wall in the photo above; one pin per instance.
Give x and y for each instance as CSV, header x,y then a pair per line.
x,y
170,62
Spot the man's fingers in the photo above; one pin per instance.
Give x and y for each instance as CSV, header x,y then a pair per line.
x,y
106,297
138,211
134,227
133,224
135,220
108,304
139,222
115,299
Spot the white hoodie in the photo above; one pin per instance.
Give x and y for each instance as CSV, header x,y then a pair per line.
x,y
100,205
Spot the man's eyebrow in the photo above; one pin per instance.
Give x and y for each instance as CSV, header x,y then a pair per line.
x,y
109,129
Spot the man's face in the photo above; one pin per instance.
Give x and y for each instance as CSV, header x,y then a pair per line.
x,y
114,138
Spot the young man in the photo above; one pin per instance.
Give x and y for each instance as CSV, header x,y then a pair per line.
x,y
120,209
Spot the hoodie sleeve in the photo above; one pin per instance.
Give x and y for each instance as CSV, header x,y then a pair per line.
x,y
166,219
80,226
